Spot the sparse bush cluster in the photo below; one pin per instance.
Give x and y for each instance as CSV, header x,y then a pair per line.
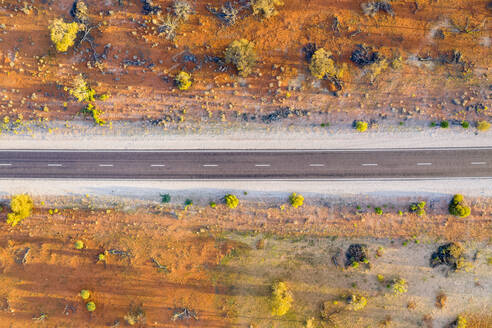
x,y
458,207
356,302
241,53
418,208
280,299
135,315
374,7
265,8
399,286
322,65
449,254
20,208
356,254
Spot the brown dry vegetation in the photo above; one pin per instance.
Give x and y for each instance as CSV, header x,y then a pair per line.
x,y
139,65
217,269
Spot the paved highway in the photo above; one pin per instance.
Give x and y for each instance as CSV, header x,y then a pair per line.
x,y
243,164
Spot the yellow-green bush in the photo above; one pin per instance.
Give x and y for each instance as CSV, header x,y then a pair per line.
x,y
356,302
79,244
63,34
296,200
183,80
458,207
483,126
361,126
281,299
461,322
21,207
242,54
231,201
265,8
91,306
399,286
95,113
85,294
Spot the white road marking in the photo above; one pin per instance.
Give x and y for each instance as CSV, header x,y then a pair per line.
x,y
210,165
316,165
370,164
106,165
55,165
478,163
5,164
262,165
157,165
424,164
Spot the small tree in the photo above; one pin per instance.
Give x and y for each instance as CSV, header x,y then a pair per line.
x,y
265,8
458,207
361,126
183,80
81,90
63,34
242,54
21,207
296,200
322,65
280,299
231,200
483,126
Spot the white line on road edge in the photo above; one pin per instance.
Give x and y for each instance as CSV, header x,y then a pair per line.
x,y
262,165
370,164
210,165
478,163
106,165
316,164
423,164
5,164
54,165
157,165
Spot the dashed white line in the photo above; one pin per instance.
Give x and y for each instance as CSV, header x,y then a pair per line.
x,y
55,165
5,164
316,165
157,165
105,165
370,164
478,163
262,165
424,164
209,165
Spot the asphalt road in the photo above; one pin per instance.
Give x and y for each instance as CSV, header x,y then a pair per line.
x,y
275,164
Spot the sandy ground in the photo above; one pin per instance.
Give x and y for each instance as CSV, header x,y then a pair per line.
x,y
80,135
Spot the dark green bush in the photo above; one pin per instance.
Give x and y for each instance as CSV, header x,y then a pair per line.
x,y
465,124
165,198
418,208
444,124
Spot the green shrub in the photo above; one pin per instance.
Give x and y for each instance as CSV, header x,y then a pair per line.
x,y
94,113
418,208
280,299
165,198
79,244
461,322
444,124
378,210
21,207
183,80
296,200
241,53
265,8
458,207
91,306
188,202
483,126
85,294
231,201
213,204
63,34
465,124
433,124
361,126
399,286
